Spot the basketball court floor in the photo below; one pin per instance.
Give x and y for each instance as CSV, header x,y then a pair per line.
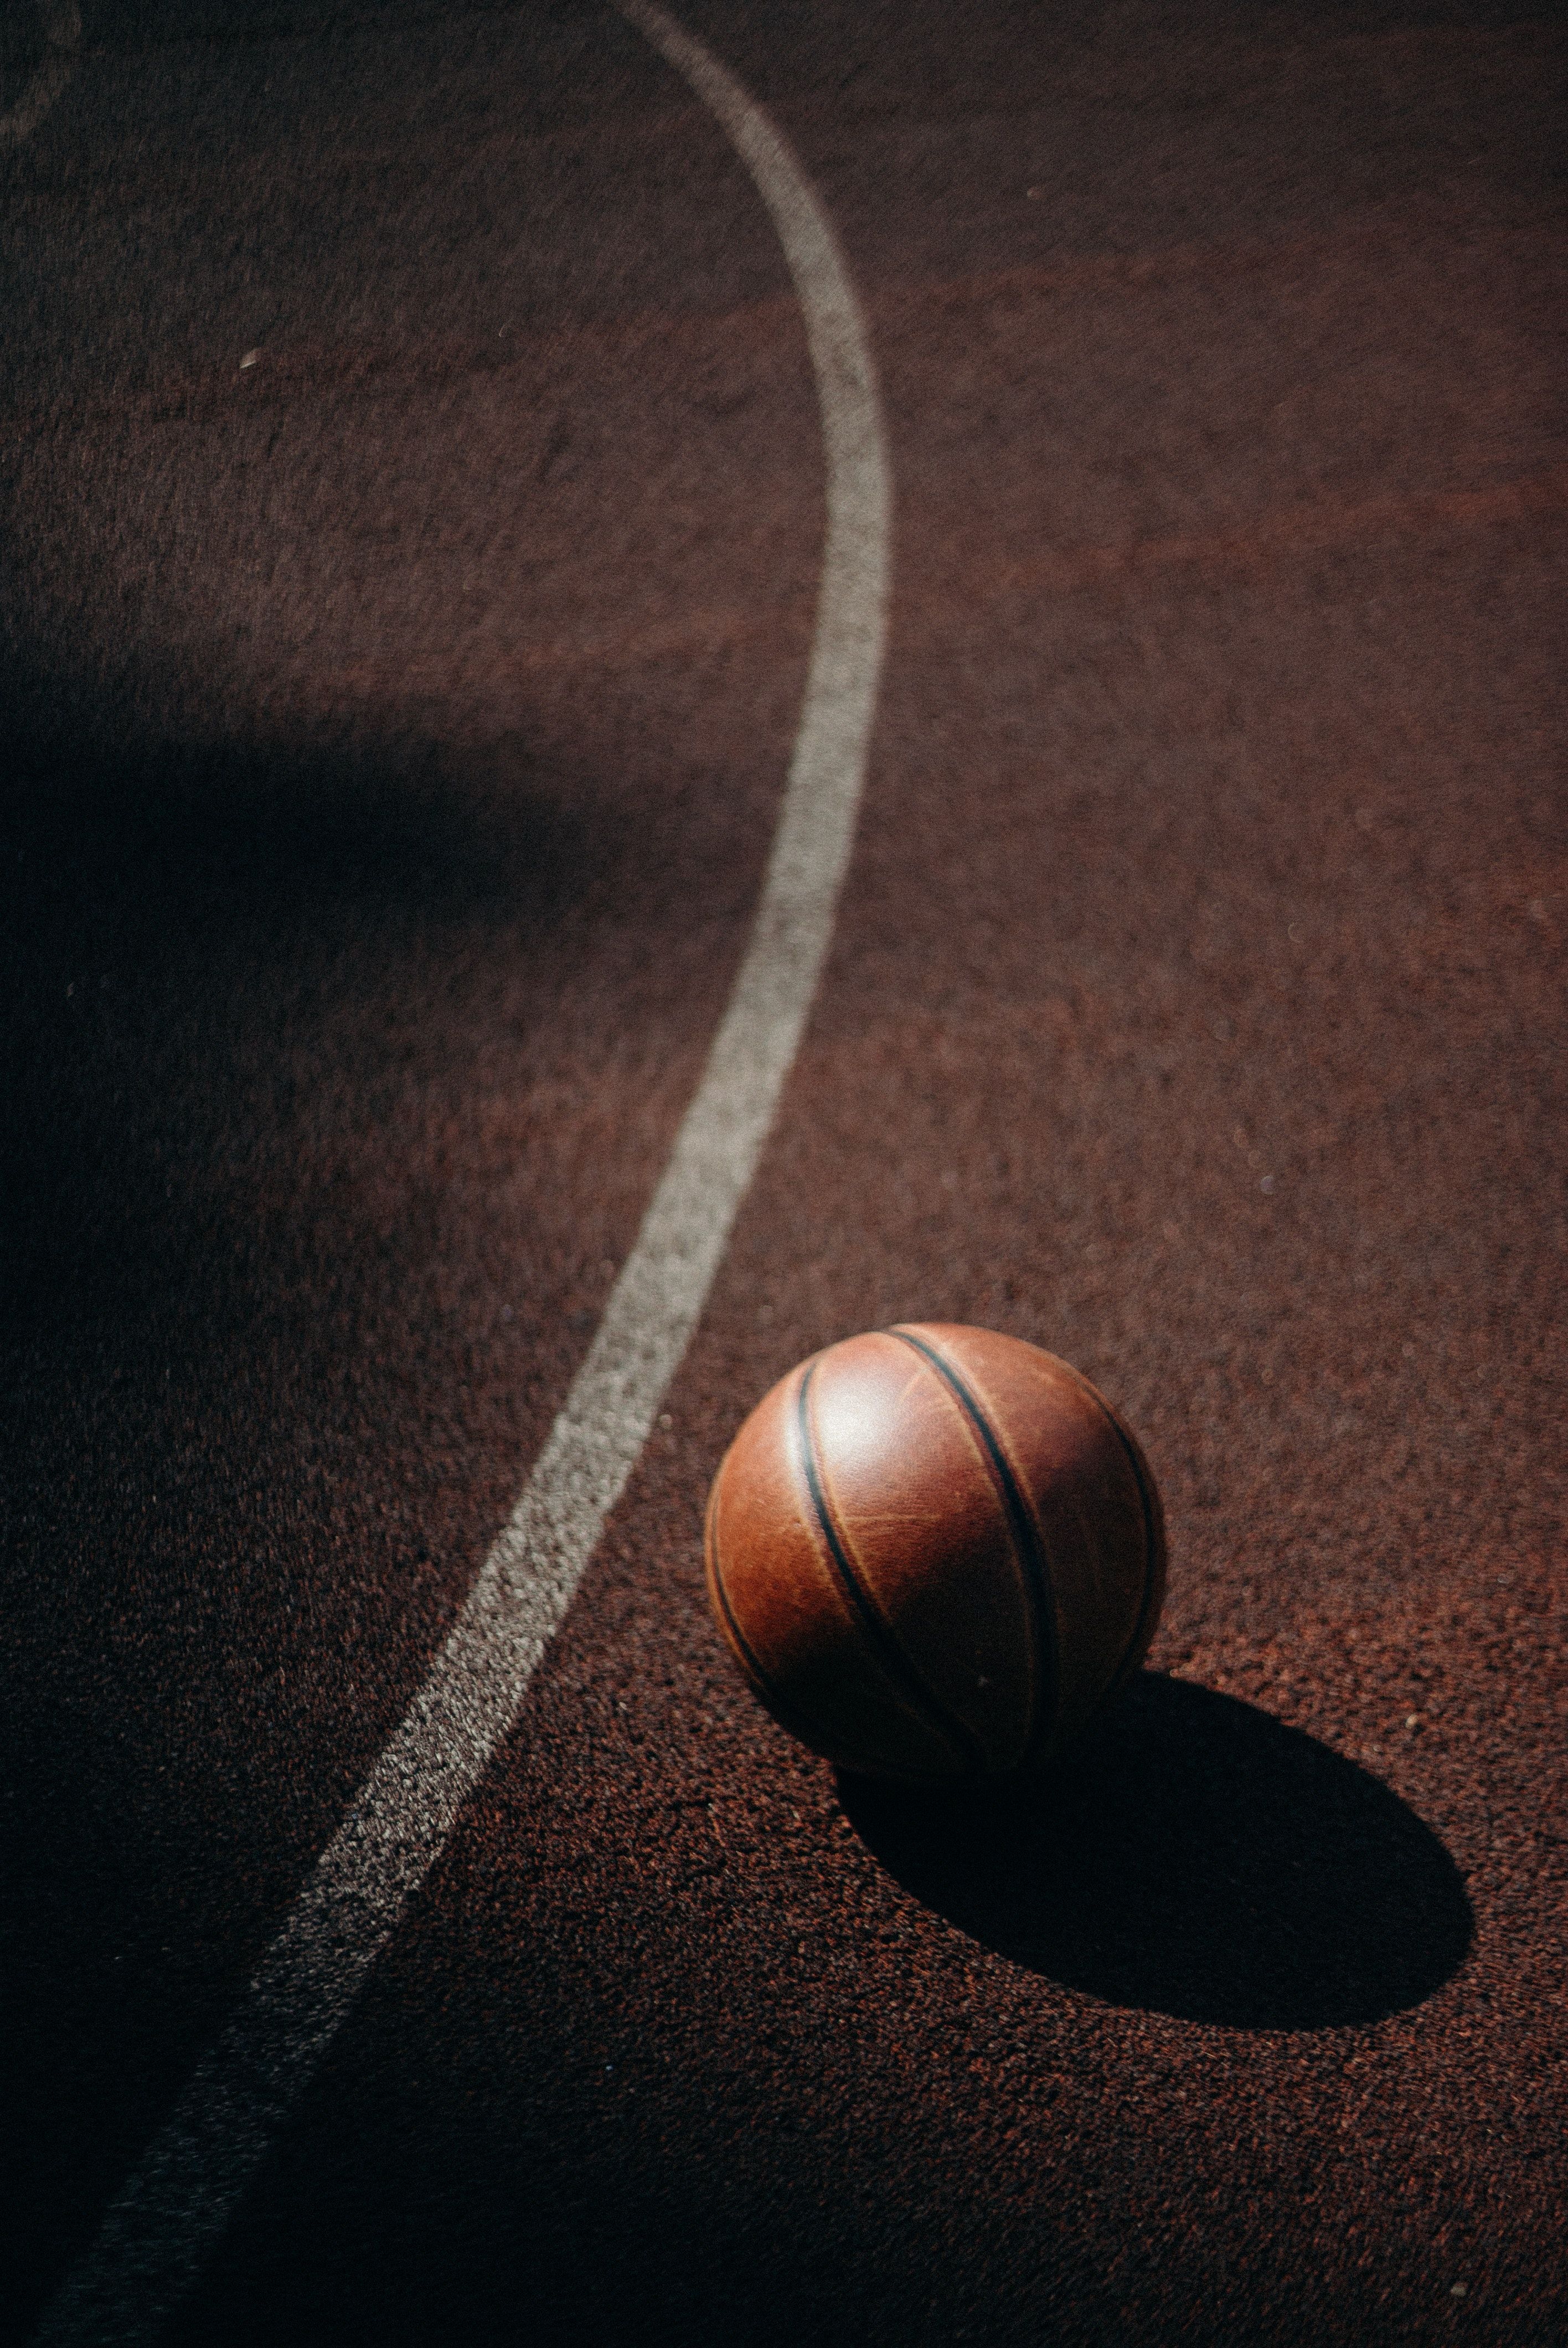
x,y
675,684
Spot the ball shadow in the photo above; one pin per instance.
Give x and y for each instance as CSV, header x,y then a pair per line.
x,y
1196,1858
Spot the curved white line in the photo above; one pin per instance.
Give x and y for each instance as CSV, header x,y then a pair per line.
x,y
158,2234
62,22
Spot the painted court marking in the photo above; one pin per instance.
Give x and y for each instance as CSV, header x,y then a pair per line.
x,y
158,2234
62,26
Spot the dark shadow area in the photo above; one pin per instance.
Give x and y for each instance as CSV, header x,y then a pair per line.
x,y
177,923
269,1315
276,832
1196,1858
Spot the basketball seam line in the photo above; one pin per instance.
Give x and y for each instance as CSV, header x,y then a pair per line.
x,y
1153,1552
784,1712
1027,1543
927,1707
715,1574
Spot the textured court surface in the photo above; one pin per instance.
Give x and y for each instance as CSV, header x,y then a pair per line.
x,y
394,730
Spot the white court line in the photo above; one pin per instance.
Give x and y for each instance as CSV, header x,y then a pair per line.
x,y
62,22
158,2234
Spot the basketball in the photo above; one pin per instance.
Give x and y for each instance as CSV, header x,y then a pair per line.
x,y
935,1552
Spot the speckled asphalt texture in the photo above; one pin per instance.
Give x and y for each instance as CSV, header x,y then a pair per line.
x,y
411,502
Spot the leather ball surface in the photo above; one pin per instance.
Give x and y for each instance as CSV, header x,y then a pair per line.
x,y
935,1552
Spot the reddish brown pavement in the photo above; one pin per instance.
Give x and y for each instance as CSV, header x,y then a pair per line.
x,y
395,729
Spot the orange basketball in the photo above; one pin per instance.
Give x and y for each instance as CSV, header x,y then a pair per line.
x,y
935,1552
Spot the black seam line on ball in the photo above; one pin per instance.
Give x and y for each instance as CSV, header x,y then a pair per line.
x,y
1025,1540
1151,1554
788,1716
1151,1546
716,1575
927,1708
